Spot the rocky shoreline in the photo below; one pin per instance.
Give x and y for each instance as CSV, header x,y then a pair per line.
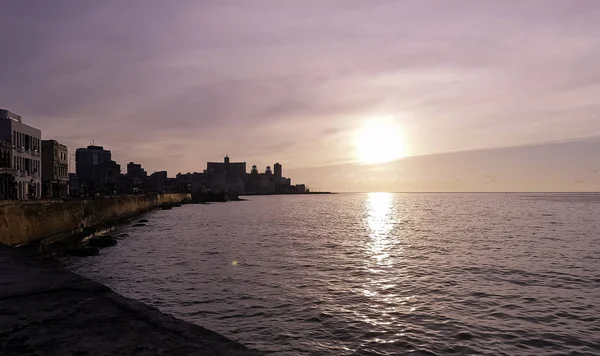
x,y
47,310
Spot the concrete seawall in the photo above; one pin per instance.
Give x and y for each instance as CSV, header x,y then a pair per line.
x,y
47,310
23,222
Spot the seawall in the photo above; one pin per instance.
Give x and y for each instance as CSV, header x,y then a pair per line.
x,y
23,222
47,310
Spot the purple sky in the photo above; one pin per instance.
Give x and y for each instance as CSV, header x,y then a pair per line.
x,y
172,84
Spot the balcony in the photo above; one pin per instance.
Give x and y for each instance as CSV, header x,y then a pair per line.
x,y
23,173
35,153
35,175
21,149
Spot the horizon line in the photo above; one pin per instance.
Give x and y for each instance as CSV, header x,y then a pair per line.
x,y
470,192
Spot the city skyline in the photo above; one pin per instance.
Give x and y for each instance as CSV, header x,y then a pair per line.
x,y
484,85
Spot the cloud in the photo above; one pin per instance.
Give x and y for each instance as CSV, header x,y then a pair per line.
x,y
540,167
174,84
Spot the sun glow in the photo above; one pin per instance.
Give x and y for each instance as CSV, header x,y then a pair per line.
x,y
379,140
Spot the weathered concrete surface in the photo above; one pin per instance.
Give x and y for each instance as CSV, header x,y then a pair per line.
x,y
46,310
23,222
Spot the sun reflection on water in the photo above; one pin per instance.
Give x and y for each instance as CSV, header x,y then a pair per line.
x,y
380,221
382,247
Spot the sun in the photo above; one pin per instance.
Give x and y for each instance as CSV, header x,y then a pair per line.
x,y
379,140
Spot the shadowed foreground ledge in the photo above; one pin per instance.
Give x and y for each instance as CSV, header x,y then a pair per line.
x,y
47,310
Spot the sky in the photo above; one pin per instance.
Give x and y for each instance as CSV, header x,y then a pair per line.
x,y
489,95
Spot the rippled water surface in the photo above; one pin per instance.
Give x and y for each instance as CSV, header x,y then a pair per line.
x,y
373,274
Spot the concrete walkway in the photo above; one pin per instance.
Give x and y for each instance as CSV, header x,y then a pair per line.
x,y
46,310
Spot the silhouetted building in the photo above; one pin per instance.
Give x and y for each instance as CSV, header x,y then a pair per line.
x,y
88,158
74,186
25,146
136,180
96,170
225,176
160,175
300,188
278,173
231,169
136,170
127,184
269,182
189,182
55,169
260,183
105,178
158,182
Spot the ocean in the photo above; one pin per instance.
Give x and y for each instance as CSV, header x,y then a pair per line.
x,y
373,274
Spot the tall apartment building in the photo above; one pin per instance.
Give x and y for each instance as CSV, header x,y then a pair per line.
x,y
278,171
96,171
24,142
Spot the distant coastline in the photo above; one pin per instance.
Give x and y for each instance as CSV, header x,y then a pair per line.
x,y
307,193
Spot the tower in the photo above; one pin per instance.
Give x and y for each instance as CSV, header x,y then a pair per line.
x,y
226,164
278,172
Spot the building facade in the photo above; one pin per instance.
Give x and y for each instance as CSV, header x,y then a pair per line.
x,y
55,169
25,153
225,176
6,171
96,170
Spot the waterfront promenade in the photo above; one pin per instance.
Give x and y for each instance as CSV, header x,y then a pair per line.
x,y
47,310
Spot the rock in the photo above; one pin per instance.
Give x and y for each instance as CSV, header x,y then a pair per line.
x,y
102,241
123,235
143,221
138,225
83,251
464,336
